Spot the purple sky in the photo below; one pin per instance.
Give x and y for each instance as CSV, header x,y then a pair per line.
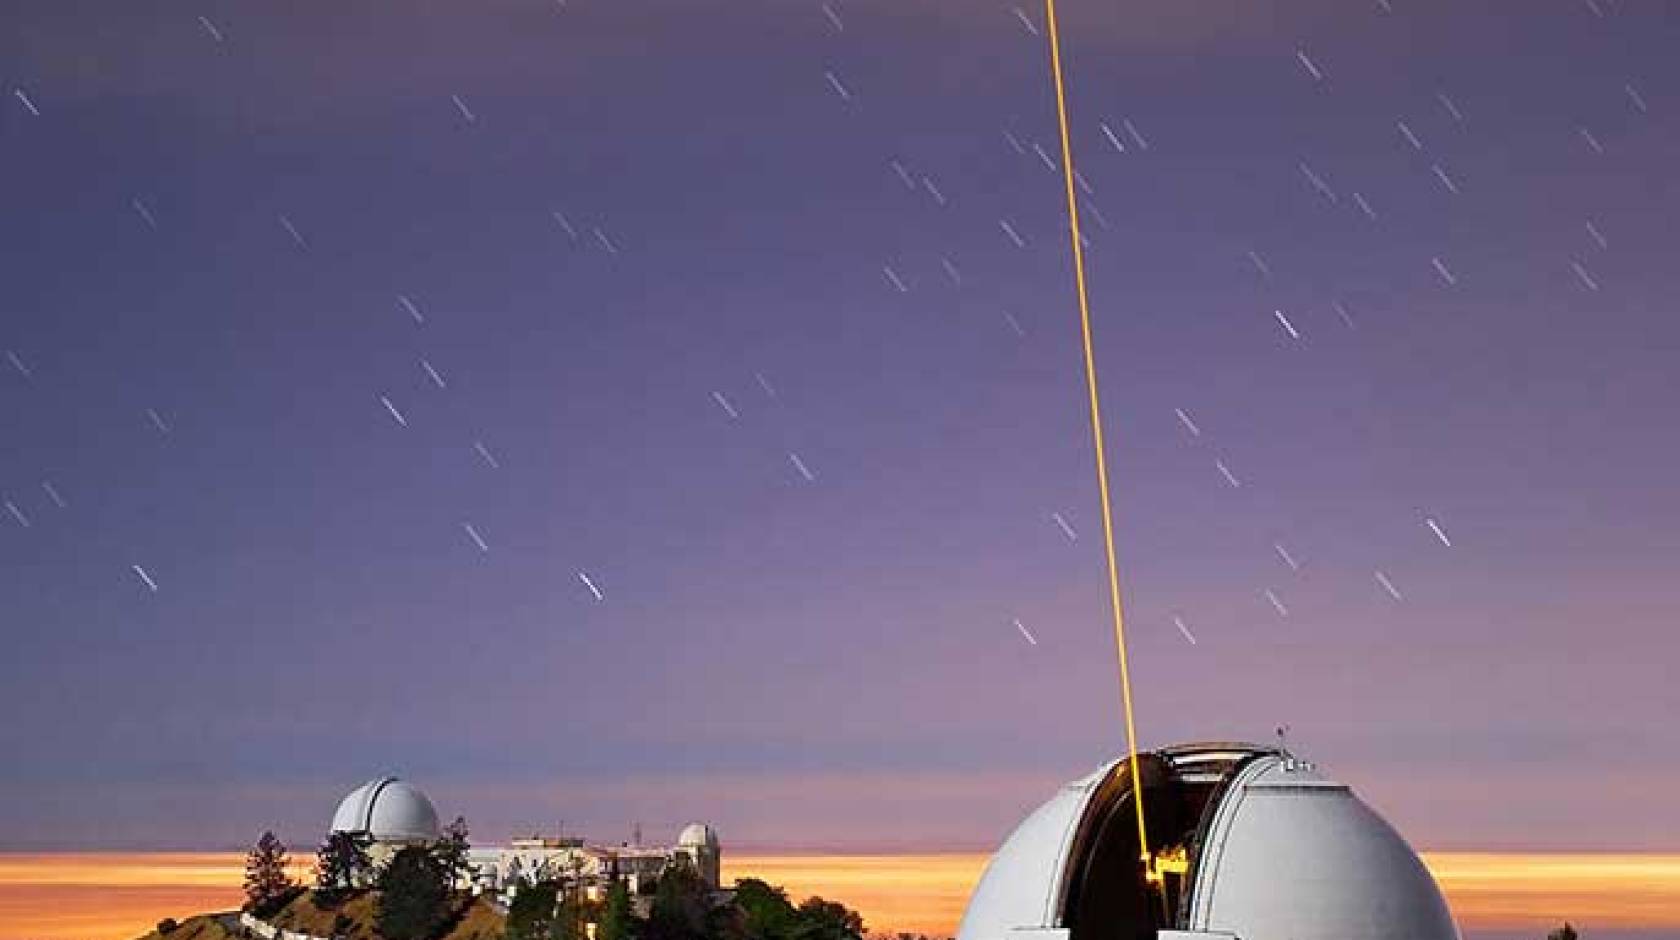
x,y
832,661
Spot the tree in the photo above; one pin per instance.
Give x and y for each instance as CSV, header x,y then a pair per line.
x,y
681,904
341,863
267,886
531,915
570,917
413,895
827,920
618,921
766,913
167,926
454,852
1565,932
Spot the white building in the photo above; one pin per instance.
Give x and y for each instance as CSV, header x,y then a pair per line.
x,y
1250,844
594,866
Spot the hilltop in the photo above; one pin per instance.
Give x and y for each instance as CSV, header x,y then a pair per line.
x,y
200,927
470,918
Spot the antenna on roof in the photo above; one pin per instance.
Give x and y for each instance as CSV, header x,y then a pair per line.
x,y
1283,738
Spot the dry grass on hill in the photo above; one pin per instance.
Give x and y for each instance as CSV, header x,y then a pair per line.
x,y
202,927
472,918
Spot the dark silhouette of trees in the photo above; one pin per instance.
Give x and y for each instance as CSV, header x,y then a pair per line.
x,y
570,917
682,905
341,863
764,910
1566,932
453,852
618,920
765,913
413,895
267,886
827,920
531,915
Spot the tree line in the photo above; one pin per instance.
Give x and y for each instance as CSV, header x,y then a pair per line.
x,y
682,907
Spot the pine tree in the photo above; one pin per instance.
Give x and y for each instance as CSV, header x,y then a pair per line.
x,y
1566,932
341,863
453,851
267,886
413,895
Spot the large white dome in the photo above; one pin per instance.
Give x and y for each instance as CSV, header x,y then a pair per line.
x,y
387,810
698,835
1276,851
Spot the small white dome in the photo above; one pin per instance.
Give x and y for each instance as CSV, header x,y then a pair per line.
x,y
387,810
698,835
1276,852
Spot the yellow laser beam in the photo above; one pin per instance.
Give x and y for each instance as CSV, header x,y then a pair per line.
x,y
1097,427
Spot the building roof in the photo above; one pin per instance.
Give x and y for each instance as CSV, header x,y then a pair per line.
x,y
387,810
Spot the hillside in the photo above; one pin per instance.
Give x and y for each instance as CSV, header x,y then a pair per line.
x,y
473,919
201,927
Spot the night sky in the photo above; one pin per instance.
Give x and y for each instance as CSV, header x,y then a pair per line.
x,y
343,341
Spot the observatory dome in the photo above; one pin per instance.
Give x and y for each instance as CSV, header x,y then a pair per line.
x,y
387,810
1271,850
698,835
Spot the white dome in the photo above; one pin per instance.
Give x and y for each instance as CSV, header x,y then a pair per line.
x,y
1276,852
1291,854
698,835
387,810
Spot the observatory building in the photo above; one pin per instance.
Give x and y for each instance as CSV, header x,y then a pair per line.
x,y
569,858
1248,842
386,814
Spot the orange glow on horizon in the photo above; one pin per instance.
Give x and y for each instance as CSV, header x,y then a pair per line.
x,y
913,893
1488,889
119,896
